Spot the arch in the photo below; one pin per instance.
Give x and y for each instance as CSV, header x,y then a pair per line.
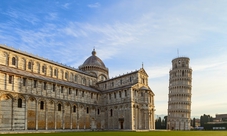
x,y
19,103
66,75
31,113
30,65
111,112
71,76
41,105
44,68
102,77
6,100
74,108
23,64
84,81
59,107
55,72
50,71
14,61
75,78
37,67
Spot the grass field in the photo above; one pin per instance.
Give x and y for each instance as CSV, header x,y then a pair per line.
x,y
153,133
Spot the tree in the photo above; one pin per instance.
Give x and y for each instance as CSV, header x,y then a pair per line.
x,y
158,123
204,119
193,122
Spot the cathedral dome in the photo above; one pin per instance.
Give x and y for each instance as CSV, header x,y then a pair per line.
x,y
95,66
94,61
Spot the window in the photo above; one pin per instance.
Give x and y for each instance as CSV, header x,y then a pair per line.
x,y
29,65
44,85
10,79
105,86
87,110
38,67
74,108
182,73
120,94
178,61
97,96
41,105
14,61
130,79
84,81
55,72
62,87
23,64
66,75
75,78
51,72
98,111
76,92
111,113
141,93
112,84
125,93
19,103
70,91
54,87
24,81
110,96
35,83
91,95
114,95
121,81
43,69
83,94
59,107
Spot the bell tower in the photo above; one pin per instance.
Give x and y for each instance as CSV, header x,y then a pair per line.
x,y
179,103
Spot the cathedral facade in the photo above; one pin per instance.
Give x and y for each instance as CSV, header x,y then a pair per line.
x,y
40,94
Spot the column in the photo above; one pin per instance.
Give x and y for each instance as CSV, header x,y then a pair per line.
x,y
71,112
63,116
36,116
55,115
153,121
12,126
46,114
25,114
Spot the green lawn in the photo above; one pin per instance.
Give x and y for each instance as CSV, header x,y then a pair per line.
x,y
153,133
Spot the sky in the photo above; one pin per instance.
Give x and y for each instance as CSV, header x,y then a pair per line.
x,y
127,34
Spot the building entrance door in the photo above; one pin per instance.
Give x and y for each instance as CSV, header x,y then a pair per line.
x,y
122,125
121,121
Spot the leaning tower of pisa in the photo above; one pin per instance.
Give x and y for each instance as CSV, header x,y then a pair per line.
x,y
179,104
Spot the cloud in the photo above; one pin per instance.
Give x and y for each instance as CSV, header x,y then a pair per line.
x,y
52,16
66,5
17,15
95,5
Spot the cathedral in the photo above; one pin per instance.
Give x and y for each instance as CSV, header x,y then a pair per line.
x,y
40,94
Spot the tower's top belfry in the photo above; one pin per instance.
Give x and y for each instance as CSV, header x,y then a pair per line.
x,y
180,62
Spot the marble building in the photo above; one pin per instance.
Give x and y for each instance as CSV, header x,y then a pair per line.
x,y
40,94
180,86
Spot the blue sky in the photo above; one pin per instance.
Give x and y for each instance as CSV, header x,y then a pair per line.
x,y
127,33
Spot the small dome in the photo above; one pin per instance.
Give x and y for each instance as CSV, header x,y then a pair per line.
x,y
94,61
